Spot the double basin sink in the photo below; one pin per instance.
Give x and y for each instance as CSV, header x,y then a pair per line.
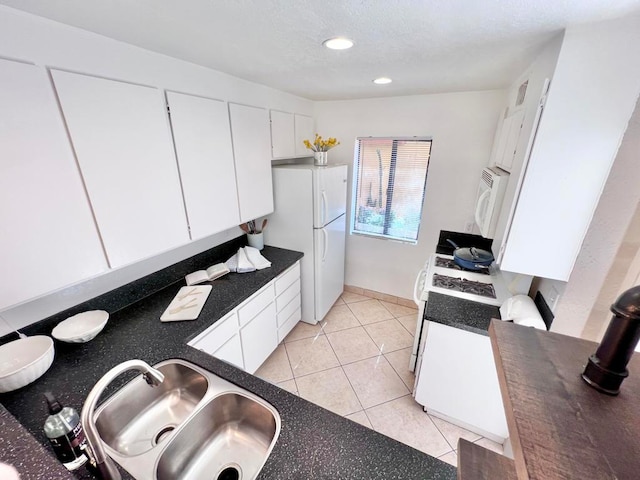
x,y
194,425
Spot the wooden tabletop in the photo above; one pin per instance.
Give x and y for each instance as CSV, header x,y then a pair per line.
x,y
560,427
478,463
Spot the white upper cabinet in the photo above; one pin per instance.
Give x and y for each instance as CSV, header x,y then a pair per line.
x,y
508,139
202,138
304,130
585,116
288,132
121,137
251,150
282,135
49,239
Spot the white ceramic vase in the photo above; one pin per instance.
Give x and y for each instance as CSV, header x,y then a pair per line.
x,y
321,158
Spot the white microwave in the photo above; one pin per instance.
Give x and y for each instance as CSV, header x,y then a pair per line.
x,y
493,184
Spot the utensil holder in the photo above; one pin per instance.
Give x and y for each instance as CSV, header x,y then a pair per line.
x,y
255,240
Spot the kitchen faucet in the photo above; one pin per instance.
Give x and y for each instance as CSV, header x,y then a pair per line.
x,y
105,465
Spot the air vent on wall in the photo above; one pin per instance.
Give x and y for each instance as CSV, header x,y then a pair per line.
x,y
487,178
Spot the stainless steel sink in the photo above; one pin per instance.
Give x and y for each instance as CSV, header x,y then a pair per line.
x,y
193,425
138,418
230,437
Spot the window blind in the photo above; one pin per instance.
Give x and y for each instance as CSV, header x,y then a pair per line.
x,y
391,175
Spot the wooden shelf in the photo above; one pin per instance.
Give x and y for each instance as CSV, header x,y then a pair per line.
x,y
561,428
478,463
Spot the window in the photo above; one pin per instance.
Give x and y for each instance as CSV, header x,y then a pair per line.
x,y
391,177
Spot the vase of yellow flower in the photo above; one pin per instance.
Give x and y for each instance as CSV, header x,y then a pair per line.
x,y
320,147
321,158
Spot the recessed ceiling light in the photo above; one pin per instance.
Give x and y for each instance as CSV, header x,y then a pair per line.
x,y
382,81
338,43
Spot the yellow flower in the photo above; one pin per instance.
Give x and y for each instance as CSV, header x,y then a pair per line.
x,y
321,145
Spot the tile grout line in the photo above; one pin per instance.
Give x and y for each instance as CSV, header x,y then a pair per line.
x,y
443,435
345,374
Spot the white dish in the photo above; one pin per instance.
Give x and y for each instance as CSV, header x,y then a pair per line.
x,y
23,361
82,327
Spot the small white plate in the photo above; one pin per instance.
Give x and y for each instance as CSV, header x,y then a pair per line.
x,y
187,304
82,327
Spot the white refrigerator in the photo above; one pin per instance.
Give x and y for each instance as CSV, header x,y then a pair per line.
x,y
310,217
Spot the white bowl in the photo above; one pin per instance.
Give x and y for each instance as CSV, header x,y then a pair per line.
x,y
81,327
23,361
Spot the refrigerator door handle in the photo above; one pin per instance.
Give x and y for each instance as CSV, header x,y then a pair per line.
x,y
326,243
325,206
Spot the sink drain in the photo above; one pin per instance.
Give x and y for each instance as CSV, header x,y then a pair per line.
x,y
229,473
162,434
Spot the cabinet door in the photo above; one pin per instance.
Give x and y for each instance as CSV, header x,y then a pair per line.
x,y
202,137
49,239
231,352
259,338
282,135
121,137
251,150
511,138
304,130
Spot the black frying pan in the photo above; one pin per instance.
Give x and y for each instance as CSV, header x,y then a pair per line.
x,y
471,258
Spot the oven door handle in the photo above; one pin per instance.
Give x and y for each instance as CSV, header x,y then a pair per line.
x,y
418,286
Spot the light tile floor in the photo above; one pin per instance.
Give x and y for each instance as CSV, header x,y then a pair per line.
x,y
356,364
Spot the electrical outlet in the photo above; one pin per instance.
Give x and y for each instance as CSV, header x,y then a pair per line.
x,y
553,298
468,227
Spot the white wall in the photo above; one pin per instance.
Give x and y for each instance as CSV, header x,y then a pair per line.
x,y
462,126
46,43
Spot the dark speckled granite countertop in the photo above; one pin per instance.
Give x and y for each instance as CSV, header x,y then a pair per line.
x,y
460,313
313,442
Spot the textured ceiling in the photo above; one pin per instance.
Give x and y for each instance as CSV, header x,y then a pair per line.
x,y
426,46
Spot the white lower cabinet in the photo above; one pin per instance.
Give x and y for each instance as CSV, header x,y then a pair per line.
x,y
247,335
259,338
231,351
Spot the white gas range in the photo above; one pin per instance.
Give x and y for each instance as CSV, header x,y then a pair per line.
x,y
455,373
442,275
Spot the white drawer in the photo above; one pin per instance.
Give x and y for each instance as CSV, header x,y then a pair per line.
x,y
288,295
256,304
218,334
286,312
288,325
287,278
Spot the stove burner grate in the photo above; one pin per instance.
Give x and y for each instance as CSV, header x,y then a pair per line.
x,y
463,285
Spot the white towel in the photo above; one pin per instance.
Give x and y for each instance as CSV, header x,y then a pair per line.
x,y
254,256
244,265
523,311
232,263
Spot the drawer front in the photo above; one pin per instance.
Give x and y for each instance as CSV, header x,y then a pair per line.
x,y
287,278
218,335
286,312
256,304
288,325
288,295
259,338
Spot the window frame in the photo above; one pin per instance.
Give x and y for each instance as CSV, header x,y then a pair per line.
x,y
354,190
